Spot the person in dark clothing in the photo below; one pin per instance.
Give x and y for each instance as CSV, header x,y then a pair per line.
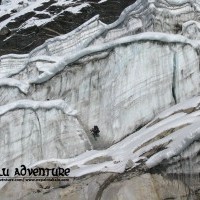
x,y
95,131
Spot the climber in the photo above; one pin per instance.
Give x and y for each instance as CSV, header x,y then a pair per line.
x,y
95,132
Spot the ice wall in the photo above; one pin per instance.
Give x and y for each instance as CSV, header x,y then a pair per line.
x,y
125,89
116,76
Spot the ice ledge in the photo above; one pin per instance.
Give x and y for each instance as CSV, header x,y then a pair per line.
x,y
59,64
35,105
10,82
150,145
55,64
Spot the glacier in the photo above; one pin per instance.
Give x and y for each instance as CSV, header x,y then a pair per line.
x,y
137,78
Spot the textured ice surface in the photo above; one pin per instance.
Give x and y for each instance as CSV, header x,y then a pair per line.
x,y
174,134
117,76
138,75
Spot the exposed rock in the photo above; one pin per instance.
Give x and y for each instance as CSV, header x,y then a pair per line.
x,y
4,31
99,160
137,187
31,27
146,186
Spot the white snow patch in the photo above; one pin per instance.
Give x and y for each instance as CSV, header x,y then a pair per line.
x,y
102,1
78,8
25,6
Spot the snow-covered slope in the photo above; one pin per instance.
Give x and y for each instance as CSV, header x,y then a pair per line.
x,y
172,133
170,142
